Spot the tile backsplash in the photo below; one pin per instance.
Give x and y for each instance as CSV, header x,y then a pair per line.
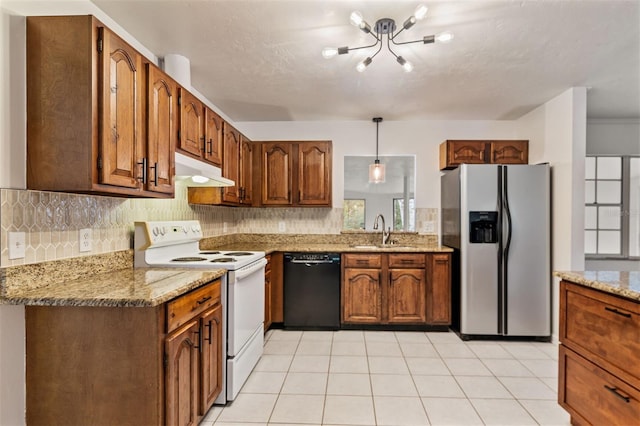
x,y
51,221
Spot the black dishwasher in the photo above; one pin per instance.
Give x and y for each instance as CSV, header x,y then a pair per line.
x,y
312,291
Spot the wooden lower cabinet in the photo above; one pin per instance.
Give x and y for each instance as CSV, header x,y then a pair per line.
x,y
124,365
599,362
267,294
396,288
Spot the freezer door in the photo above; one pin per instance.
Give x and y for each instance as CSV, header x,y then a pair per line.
x,y
478,261
527,259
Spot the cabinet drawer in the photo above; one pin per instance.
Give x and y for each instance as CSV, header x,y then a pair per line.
x,y
407,260
605,325
183,308
594,396
362,260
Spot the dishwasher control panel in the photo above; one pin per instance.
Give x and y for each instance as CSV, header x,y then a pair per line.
x,y
312,257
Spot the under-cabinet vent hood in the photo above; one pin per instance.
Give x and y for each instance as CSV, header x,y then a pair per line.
x,y
192,172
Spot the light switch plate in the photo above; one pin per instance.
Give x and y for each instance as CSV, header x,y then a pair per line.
x,y
85,240
16,245
281,226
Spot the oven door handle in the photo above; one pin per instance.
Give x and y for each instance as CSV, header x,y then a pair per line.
x,y
242,273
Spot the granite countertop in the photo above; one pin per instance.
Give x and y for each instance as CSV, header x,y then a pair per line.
x,y
332,248
621,283
130,287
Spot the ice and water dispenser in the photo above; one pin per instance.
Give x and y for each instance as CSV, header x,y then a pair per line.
x,y
483,227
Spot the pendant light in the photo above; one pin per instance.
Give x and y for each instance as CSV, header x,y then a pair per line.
x,y
376,170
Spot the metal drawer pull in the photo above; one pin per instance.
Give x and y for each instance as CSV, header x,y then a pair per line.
x,y
617,312
614,390
204,299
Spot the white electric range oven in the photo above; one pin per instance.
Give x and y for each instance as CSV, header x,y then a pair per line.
x,y
176,244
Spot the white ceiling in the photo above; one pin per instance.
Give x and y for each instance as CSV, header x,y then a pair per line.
x,y
260,59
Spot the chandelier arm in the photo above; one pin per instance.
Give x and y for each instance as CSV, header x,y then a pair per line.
x,y
408,42
389,39
377,51
363,47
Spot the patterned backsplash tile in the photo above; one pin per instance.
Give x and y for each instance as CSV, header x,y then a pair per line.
x,y
51,221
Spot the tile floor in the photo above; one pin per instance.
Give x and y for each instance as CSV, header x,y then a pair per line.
x,y
396,378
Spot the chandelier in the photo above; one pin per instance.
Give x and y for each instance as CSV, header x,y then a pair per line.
x,y
387,27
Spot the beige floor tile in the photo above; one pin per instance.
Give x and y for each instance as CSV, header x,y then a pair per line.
x,y
507,368
424,350
400,411
264,382
428,366
310,364
542,367
298,409
488,350
280,347
249,407
387,365
348,348
546,412
528,388
349,364
317,336
305,384
443,337
502,412
411,337
310,347
467,367
380,336
274,363
454,350
348,336
393,385
438,386
285,335
375,348
524,350
483,387
349,410
451,412
349,384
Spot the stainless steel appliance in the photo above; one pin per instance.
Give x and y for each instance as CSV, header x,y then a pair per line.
x,y
176,244
312,291
497,218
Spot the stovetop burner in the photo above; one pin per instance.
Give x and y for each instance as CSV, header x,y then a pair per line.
x,y
209,252
239,253
223,260
189,259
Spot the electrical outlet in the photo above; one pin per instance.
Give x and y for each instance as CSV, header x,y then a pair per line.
x,y
281,226
16,245
428,227
85,240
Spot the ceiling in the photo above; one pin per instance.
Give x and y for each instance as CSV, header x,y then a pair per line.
x,y
260,60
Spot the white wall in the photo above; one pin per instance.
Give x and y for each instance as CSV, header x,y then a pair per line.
x,y
557,135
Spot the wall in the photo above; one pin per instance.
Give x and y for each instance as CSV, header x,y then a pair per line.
x,y
557,134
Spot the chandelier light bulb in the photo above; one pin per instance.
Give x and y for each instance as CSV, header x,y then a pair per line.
x,y
444,37
411,20
356,18
329,52
421,12
406,65
364,64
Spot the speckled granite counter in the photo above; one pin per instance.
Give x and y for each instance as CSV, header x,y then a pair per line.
x,y
99,280
326,248
621,283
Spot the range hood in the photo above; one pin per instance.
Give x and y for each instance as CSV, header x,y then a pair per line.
x,y
192,172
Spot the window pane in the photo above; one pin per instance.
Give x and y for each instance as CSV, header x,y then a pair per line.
x,y
609,217
634,207
590,192
608,192
590,168
590,217
609,168
590,242
353,214
609,242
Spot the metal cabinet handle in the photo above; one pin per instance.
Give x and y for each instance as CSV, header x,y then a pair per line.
x,y
210,146
155,173
617,312
208,339
204,299
143,163
614,390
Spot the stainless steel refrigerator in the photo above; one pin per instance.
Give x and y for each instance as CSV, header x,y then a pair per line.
x,y
497,218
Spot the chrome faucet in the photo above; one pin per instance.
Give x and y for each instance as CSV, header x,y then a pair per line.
x,y
386,234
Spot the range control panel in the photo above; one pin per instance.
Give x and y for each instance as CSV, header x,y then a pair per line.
x,y
160,233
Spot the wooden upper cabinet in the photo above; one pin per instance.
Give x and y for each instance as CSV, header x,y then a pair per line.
x,y
231,163
456,152
191,124
162,94
87,107
120,116
296,173
277,163
314,173
213,133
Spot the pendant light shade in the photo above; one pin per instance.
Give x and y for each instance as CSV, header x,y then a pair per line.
x,y
376,170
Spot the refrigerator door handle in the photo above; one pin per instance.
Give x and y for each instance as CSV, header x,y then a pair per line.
x,y
500,265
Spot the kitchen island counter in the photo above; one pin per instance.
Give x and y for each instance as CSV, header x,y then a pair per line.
x,y
620,283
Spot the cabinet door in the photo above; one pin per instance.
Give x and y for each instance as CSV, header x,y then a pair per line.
x,y
182,375
509,152
277,163
191,124
213,137
466,152
231,163
314,173
406,296
246,171
361,296
439,289
161,130
120,113
211,364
